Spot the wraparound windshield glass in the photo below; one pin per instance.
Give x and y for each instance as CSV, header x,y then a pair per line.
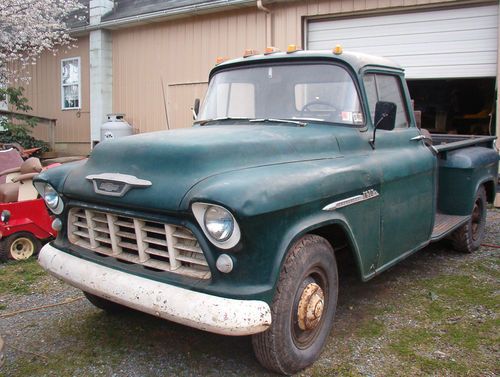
x,y
320,92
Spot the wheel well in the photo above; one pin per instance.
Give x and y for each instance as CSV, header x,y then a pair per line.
x,y
339,240
490,191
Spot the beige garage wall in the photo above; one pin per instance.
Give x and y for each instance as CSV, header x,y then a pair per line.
x,y
44,94
181,53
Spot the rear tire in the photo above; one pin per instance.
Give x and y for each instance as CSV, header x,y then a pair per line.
x,y
469,236
19,246
103,304
303,308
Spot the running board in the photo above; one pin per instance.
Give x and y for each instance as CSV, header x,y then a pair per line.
x,y
445,224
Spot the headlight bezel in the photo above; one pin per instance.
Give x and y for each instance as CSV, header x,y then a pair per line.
x,y
43,188
200,210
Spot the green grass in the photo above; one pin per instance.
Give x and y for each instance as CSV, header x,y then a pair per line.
x,y
19,276
370,328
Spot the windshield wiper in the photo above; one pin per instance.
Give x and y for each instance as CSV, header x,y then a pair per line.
x,y
203,122
301,124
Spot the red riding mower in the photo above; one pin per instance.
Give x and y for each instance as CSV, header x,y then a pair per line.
x,y
25,222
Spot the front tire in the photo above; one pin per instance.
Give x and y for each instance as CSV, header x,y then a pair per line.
x,y
19,246
303,308
103,304
469,236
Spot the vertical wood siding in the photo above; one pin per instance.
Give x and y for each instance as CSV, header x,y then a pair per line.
x,y
44,95
183,51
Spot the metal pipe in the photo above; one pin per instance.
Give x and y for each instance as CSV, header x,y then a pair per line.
x,y
269,25
260,6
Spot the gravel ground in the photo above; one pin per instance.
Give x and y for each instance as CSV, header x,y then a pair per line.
x,y
435,313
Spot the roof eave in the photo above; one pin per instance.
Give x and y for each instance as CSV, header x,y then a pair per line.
x,y
159,16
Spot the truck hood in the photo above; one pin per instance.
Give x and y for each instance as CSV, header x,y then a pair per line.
x,y
174,161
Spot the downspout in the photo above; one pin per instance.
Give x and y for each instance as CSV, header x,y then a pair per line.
x,y
269,23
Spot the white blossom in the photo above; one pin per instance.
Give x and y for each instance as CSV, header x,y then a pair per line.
x,y
27,29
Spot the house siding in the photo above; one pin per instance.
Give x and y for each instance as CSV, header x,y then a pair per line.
x,y
72,134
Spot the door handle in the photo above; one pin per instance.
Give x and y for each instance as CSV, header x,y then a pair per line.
x,y
420,137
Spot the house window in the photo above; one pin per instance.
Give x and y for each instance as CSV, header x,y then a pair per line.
x,y
71,92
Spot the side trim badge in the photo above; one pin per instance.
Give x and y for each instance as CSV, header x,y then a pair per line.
x,y
116,184
370,194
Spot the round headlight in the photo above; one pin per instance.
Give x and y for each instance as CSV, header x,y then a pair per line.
x,y
219,223
51,197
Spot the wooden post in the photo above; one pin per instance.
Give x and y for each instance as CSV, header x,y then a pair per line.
x,y
52,134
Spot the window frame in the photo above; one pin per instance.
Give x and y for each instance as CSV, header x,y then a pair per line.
x,y
78,58
359,86
402,92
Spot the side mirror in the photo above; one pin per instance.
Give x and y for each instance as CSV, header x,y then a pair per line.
x,y
385,118
385,115
196,108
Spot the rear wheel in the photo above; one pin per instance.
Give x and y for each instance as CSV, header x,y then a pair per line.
x,y
103,304
469,236
303,308
19,246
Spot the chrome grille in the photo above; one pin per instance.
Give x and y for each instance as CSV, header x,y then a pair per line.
x,y
163,247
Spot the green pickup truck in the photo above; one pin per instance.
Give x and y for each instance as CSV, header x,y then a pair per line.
x,y
236,225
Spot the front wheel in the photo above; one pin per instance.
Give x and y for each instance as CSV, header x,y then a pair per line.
x,y
303,308
19,246
103,304
469,236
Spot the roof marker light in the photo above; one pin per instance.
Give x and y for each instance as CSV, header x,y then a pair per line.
x,y
271,50
338,50
291,48
250,52
221,59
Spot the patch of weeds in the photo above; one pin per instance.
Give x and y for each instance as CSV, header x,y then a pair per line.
x,y
19,276
472,336
3,306
409,340
438,311
370,328
432,366
462,290
413,345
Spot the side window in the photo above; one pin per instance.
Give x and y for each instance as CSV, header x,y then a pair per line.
x,y
380,87
371,93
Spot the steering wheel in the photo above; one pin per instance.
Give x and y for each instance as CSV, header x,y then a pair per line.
x,y
306,107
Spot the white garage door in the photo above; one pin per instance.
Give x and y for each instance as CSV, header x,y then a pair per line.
x,y
447,43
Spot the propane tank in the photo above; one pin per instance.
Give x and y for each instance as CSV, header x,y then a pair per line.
x,y
115,127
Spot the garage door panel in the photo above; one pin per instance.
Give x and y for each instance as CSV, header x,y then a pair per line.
x,y
446,53
397,40
465,37
408,29
459,15
423,48
452,71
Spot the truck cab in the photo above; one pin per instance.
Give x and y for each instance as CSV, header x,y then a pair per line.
x,y
234,226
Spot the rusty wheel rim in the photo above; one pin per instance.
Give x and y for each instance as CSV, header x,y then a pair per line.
x,y
22,248
309,308
476,220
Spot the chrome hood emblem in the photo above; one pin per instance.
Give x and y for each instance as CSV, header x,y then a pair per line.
x,y
116,184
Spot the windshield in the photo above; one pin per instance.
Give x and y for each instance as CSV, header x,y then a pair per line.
x,y
319,92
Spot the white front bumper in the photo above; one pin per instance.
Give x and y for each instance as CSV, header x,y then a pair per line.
x,y
202,311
